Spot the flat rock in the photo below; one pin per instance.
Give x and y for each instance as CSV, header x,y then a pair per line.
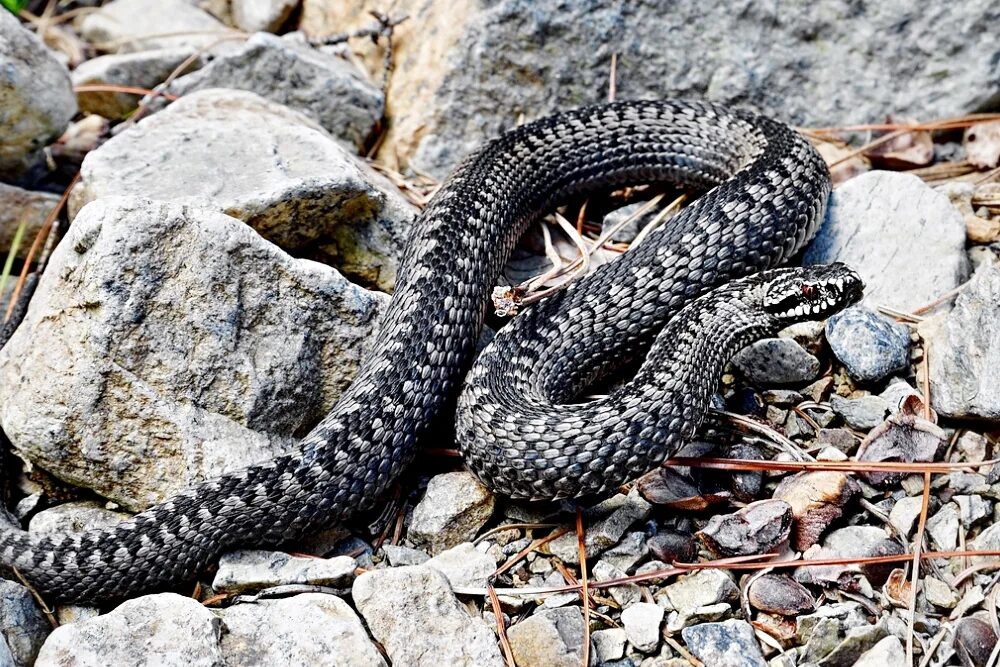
x,y
23,626
19,207
758,528
250,570
265,164
75,517
871,224
257,15
863,413
869,345
965,359
454,508
728,644
609,644
150,359
36,97
307,629
776,361
988,540
329,90
641,622
464,566
690,596
145,69
412,612
167,629
551,637
139,25
489,62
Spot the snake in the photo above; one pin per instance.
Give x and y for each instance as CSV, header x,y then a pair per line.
x,y
680,303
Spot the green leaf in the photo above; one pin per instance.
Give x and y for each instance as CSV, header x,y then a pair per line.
x,y
14,5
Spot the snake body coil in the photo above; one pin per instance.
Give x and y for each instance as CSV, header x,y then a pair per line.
x,y
768,189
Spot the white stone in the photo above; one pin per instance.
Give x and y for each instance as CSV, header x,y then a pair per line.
x,y
465,566
642,625
889,652
454,508
257,15
140,25
246,570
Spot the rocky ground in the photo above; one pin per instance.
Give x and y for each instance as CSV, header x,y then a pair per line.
x,y
240,178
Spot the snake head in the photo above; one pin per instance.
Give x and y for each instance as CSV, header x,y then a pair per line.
x,y
811,292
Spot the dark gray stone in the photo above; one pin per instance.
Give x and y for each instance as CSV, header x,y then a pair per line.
x,y
869,345
776,361
728,644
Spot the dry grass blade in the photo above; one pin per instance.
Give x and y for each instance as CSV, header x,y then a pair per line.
x,y
508,654
915,574
37,244
613,78
109,88
584,593
840,466
954,123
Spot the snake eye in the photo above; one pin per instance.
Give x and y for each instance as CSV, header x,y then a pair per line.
x,y
808,290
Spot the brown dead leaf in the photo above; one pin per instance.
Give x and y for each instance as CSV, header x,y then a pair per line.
x,y
897,588
817,500
669,488
982,144
853,166
906,151
904,437
781,628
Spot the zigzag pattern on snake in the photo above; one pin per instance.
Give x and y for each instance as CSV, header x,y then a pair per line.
x,y
517,425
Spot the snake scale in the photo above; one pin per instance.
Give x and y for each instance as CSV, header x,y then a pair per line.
x,y
517,423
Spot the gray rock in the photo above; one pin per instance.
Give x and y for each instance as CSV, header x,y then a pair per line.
x,y
624,595
628,552
988,540
168,630
869,345
939,593
19,207
307,629
775,361
265,164
552,637
398,555
6,657
190,369
490,62
464,566
454,508
257,15
697,595
728,644
23,626
871,225
964,358
327,89
618,514
139,25
145,69
904,514
251,570
642,625
863,413
972,509
609,644
412,612
36,97
74,517
943,527
758,528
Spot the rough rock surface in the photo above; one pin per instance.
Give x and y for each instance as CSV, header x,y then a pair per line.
x,y
265,164
22,206
241,571
139,25
642,625
871,225
36,97
489,62
464,566
23,626
454,508
74,517
870,346
256,15
145,69
307,629
412,612
553,637
327,89
148,360
965,357
728,644
776,361
169,630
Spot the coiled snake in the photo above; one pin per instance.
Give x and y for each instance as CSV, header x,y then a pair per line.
x,y
517,425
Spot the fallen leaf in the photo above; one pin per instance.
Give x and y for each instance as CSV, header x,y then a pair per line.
x,y
817,500
905,151
902,437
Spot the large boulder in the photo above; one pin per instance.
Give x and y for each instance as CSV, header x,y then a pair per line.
x,y
166,344
266,164
36,98
465,70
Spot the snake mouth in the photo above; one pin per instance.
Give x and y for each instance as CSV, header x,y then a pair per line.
x,y
813,292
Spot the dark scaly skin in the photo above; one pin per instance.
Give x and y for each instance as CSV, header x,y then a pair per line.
x,y
770,189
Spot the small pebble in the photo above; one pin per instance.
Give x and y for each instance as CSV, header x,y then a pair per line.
x,y
776,361
869,345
